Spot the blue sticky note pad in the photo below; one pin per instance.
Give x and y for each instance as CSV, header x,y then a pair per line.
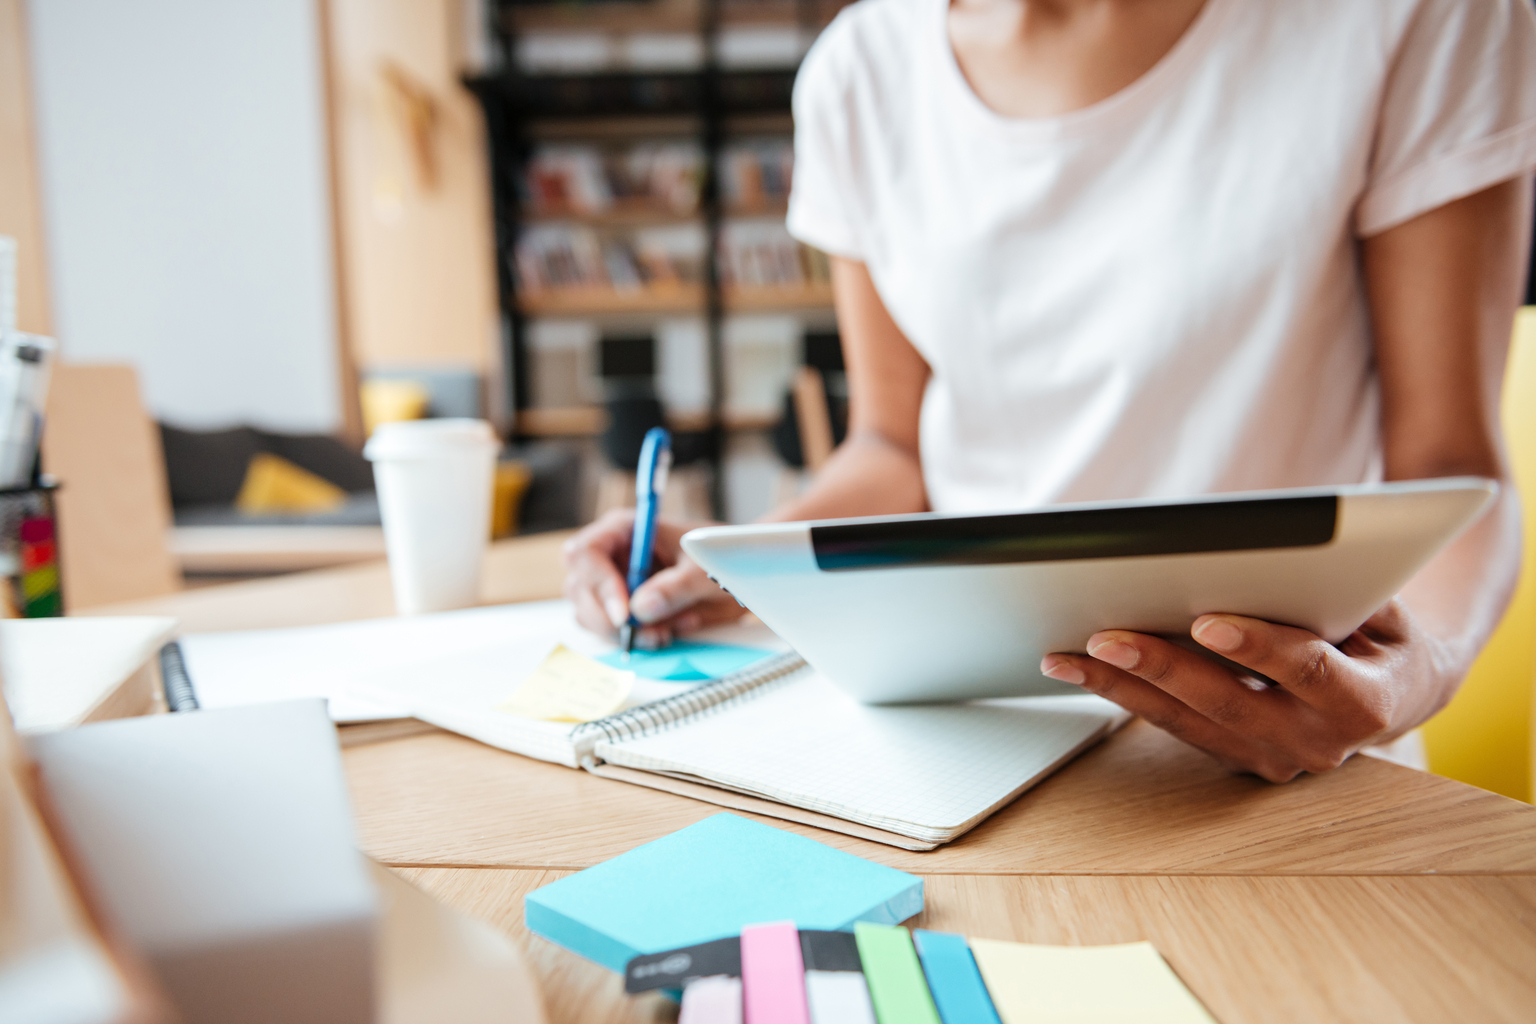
x,y
708,881
953,979
686,661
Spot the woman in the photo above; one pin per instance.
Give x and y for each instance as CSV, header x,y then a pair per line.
x,y
1095,249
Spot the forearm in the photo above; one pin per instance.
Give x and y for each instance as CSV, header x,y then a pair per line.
x,y
867,475
1459,598
1443,289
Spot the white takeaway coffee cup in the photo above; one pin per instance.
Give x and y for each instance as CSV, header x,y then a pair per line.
x,y
434,479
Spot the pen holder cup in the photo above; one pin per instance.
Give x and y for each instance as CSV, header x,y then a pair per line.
x,y
30,586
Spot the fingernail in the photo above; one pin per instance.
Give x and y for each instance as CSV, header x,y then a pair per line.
x,y
618,611
1063,670
1219,634
1117,654
652,639
648,606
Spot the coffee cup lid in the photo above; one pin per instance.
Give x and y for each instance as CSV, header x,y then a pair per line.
x,y
422,438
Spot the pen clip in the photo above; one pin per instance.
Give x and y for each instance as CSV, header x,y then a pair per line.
x,y
663,468
655,464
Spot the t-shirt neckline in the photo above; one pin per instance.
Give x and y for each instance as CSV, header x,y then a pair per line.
x,y
1151,86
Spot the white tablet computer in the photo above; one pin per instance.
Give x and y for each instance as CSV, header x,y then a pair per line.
x,y
954,607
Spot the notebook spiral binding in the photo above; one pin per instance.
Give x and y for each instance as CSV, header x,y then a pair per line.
x,y
663,713
179,694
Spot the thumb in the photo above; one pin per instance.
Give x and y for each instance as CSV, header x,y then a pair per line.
x,y
669,592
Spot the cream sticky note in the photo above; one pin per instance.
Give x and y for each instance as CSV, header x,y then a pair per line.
x,y
1084,984
570,687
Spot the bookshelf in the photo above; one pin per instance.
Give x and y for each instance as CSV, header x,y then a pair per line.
x,y
775,210
576,421
620,16
589,421
621,216
656,16
778,298
581,131
598,302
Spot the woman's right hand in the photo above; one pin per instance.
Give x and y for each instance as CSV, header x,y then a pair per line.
x,y
677,599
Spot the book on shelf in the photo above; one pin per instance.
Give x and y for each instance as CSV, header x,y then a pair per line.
x,y
565,259
590,181
756,174
554,257
762,254
653,40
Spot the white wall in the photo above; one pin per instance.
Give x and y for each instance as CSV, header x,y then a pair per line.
x,y
184,177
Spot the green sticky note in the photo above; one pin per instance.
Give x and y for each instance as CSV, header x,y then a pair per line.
x,y
686,661
896,983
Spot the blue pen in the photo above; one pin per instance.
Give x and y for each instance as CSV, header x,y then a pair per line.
x,y
650,481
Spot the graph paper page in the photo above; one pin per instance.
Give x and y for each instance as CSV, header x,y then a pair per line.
x,y
928,771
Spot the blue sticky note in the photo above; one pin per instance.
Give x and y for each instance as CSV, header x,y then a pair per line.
x,y
707,882
953,978
686,661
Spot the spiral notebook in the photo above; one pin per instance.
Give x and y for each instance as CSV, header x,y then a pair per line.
x,y
778,739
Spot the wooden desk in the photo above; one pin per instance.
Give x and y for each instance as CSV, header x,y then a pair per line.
x,y
273,549
1372,893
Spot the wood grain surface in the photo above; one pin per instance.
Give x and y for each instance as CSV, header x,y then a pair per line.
x,y
1371,893
1141,802
21,203
1277,949
524,569
114,506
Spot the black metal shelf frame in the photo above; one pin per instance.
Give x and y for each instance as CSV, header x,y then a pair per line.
x,y
513,103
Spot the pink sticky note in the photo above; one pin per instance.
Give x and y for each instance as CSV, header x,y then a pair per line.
x,y
773,975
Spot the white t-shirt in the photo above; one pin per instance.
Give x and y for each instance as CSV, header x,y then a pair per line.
x,y
1157,295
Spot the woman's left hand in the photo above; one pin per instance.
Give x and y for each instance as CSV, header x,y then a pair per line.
x,y
1327,701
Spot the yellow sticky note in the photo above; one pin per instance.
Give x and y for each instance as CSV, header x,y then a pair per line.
x,y
570,687
1084,984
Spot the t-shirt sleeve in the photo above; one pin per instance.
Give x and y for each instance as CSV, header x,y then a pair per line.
x,y
1458,114
822,199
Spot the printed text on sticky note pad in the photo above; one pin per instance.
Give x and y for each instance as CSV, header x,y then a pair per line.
x,y
570,687
686,661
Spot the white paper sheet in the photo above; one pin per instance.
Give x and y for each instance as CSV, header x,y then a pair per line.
x,y
253,666
465,661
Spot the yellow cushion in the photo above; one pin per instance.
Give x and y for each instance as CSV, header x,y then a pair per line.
x,y
1484,736
273,484
391,401
512,480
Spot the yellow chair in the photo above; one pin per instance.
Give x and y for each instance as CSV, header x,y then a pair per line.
x,y
1485,735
